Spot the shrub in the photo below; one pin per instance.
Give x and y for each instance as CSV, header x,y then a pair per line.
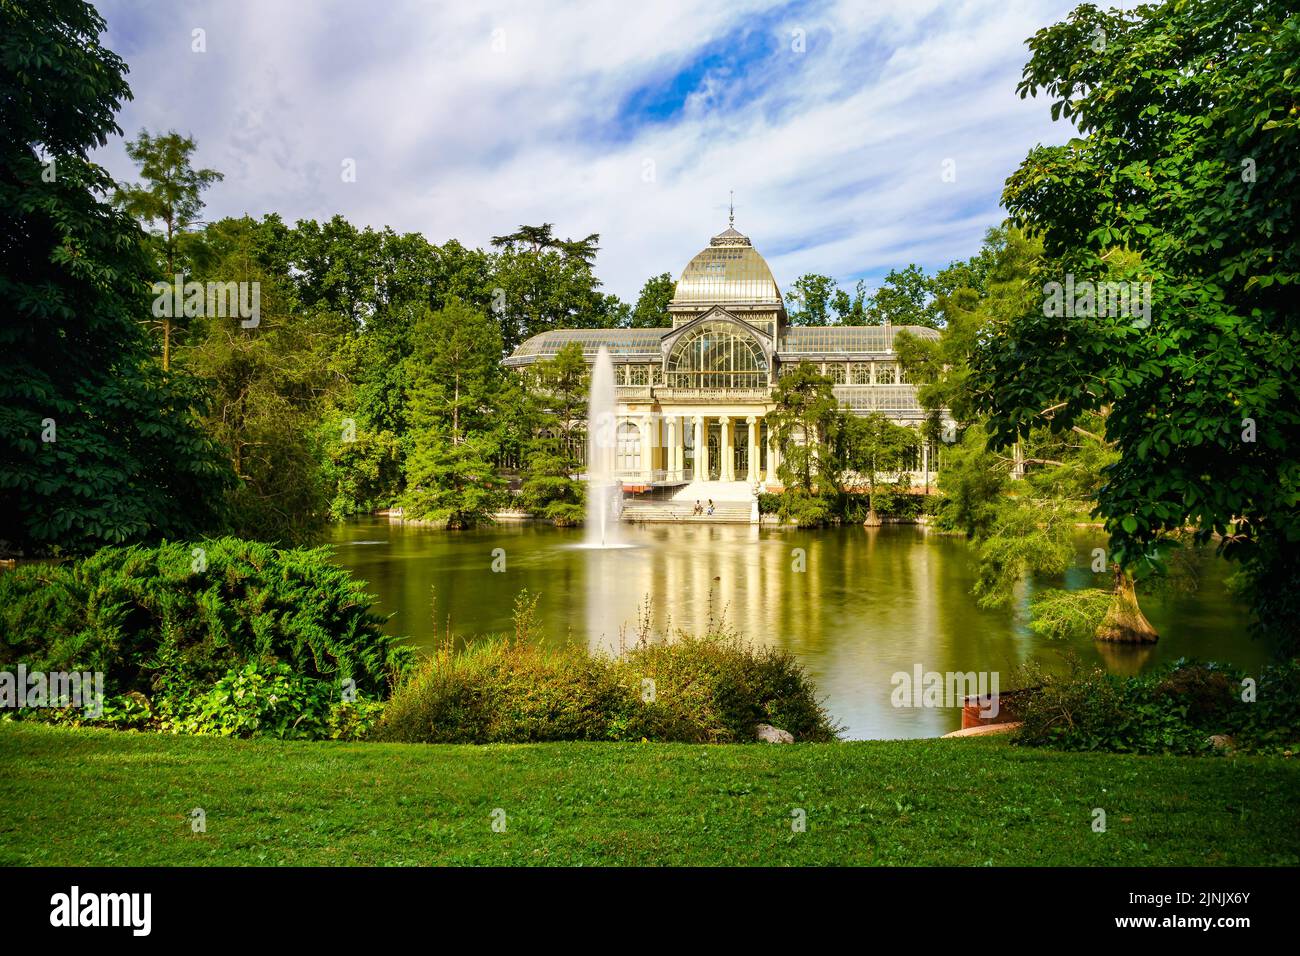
x,y
705,690
258,701
1172,710
806,511
170,621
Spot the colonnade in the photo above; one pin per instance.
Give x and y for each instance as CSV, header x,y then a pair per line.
x,y
675,429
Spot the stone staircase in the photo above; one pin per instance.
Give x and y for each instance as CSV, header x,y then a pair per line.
x,y
724,512
733,503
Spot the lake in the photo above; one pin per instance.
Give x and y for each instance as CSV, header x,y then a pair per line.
x,y
869,602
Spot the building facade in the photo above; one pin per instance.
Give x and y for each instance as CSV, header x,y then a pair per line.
x,y
693,396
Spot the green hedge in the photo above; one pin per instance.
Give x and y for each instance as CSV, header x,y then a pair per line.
x,y
175,619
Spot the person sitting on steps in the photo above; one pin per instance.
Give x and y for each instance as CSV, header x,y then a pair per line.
x,y
699,509
710,506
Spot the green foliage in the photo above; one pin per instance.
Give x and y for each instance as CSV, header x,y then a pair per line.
x,y
550,490
805,423
362,467
804,509
127,460
891,503
872,445
710,689
559,391
651,310
904,298
1172,710
170,197
273,700
547,283
169,621
1183,176
1057,613
896,504
973,481
453,483
968,296
270,387
456,431
1025,538
811,296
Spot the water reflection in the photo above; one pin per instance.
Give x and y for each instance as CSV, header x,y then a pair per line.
x,y
866,604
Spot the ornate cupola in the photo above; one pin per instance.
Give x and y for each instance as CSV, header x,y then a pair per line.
x,y
730,274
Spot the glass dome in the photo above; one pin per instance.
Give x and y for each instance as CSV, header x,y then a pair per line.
x,y
729,270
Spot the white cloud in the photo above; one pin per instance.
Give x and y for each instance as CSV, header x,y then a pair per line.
x,y
834,155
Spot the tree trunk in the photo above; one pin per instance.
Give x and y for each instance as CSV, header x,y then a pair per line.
x,y
1125,623
873,519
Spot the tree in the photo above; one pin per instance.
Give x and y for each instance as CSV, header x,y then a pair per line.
x,y
851,310
1183,176
805,425
811,294
455,371
453,482
992,285
875,445
904,298
651,310
560,388
456,384
545,282
169,196
270,386
97,445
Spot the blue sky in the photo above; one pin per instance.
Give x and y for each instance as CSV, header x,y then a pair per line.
x,y
832,121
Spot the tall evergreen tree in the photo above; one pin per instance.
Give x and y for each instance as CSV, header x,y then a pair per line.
x,y
169,196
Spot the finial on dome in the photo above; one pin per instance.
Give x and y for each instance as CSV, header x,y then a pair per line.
x,y
731,216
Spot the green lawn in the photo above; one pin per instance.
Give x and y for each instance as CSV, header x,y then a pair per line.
x,y
70,797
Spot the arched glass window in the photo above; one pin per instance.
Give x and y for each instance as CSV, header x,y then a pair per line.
x,y
717,355
629,447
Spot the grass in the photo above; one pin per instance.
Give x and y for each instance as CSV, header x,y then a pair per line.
x,y
98,797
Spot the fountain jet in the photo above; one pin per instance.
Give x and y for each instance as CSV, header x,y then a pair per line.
x,y
604,490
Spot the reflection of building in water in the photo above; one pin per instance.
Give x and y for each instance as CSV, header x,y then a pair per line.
x,y
686,586
693,396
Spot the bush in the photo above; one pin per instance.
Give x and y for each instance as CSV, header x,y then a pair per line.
x,y
699,690
898,505
1172,710
806,511
168,623
274,701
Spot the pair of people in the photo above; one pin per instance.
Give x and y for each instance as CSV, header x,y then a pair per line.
x,y
699,511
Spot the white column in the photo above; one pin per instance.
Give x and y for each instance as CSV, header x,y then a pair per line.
x,y
701,451
752,475
670,447
773,459
647,447
728,450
